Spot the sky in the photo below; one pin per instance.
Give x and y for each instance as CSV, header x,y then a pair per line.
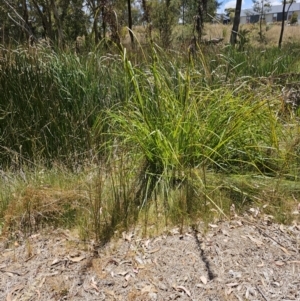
x,y
246,4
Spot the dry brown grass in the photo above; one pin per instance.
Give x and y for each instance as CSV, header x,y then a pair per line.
x,y
271,32
291,34
212,31
183,34
34,207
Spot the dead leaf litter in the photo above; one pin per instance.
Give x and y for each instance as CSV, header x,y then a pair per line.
x,y
234,260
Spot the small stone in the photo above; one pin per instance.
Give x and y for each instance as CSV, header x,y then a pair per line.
x,y
152,296
162,286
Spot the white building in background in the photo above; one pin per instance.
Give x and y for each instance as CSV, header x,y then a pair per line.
x,y
274,14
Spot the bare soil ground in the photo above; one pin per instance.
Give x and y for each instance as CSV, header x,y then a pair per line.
x,y
241,259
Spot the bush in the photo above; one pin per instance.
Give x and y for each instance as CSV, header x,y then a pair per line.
x,y
294,18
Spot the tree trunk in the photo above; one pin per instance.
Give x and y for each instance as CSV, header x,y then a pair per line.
x,y
26,19
236,22
95,29
46,22
260,21
283,21
103,13
147,18
94,6
60,38
3,35
183,12
95,25
199,20
130,21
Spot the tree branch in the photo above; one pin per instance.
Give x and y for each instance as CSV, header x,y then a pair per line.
x,y
24,25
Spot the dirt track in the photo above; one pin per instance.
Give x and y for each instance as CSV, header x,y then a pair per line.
x,y
236,260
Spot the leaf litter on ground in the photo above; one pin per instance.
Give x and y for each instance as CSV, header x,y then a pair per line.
x,y
236,260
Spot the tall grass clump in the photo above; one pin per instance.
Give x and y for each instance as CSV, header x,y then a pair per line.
x,y
173,125
230,64
49,103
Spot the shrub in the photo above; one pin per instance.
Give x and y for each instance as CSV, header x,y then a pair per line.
x,y
294,18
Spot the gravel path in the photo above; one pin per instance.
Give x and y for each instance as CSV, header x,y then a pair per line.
x,y
236,260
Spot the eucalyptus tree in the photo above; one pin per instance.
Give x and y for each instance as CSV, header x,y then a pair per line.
x,y
60,20
107,16
130,21
284,2
184,4
57,20
190,9
76,22
164,16
43,16
196,12
14,21
145,5
230,13
261,7
236,22
97,9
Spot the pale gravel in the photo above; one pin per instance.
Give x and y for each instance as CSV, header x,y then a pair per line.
x,y
239,259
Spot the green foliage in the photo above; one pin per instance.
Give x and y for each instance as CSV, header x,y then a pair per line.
x,y
230,12
253,62
76,21
60,21
190,9
170,121
49,105
164,15
243,38
261,7
50,101
169,133
294,18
